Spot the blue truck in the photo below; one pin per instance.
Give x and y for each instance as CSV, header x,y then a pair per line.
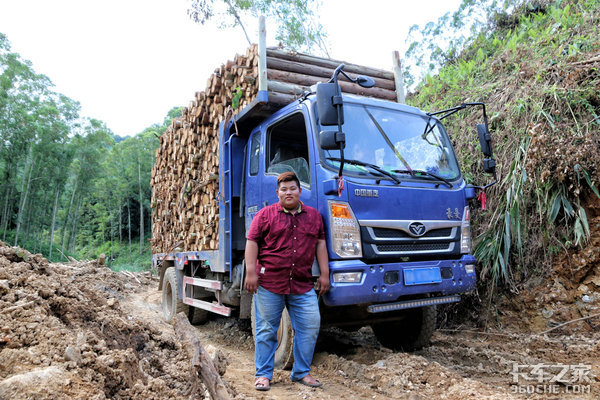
x,y
395,205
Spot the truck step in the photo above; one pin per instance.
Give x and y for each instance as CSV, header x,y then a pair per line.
x,y
205,283
402,305
205,305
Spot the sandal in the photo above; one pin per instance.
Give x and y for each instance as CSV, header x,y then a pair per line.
x,y
314,383
262,383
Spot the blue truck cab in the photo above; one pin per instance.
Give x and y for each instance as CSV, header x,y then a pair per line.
x,y
395,206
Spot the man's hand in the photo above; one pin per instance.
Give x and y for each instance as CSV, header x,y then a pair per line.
x,y
251,253
323,284
251,282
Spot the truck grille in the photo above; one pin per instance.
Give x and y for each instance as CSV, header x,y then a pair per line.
x,y
384,233
386,248
386,243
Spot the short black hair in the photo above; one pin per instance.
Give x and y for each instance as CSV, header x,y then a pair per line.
x,y
287,177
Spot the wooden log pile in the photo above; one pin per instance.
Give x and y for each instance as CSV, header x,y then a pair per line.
x,y
185,176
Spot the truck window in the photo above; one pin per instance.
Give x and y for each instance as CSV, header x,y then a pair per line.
x,y
254,153
287,148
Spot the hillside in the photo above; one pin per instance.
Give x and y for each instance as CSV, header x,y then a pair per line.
x,y
538,71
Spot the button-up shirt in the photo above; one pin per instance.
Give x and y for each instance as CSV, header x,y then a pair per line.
x,y
287,246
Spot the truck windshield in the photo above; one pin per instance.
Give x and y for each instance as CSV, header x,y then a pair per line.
x,y
395,141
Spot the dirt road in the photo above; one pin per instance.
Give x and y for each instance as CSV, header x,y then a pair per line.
x,y
84,332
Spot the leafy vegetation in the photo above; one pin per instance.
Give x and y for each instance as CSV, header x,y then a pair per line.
x,y
296,21
537,68
67,188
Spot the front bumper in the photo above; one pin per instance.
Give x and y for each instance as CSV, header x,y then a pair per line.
x,y
387,282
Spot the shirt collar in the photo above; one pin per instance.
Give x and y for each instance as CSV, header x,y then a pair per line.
x,y
282,208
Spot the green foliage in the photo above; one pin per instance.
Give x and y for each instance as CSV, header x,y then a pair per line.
x,y
534,68
296,21
67,188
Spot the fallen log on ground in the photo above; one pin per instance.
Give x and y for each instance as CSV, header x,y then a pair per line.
x,y
202,365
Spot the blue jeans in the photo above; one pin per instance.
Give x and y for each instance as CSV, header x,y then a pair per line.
x,y
306,321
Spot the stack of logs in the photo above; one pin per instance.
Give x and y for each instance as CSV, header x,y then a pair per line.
x,y
185,176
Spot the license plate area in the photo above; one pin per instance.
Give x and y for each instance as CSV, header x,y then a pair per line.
x,y
422,276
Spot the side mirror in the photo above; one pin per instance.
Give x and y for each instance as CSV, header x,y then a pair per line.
x,y
328,97
332,140
485,140
489,165
365,81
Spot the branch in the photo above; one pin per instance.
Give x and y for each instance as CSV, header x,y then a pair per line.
x,y
237,17
569,322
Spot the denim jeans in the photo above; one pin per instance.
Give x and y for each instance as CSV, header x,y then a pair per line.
x,y
306,321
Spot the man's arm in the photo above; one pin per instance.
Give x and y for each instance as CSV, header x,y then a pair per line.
x,y
251,254
323,261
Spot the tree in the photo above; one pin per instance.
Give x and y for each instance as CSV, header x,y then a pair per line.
x,y
297,23
441,42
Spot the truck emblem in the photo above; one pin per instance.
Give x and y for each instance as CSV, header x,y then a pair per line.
x,y
416,228
366,192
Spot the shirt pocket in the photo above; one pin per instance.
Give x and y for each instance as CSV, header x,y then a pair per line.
x,y
310,231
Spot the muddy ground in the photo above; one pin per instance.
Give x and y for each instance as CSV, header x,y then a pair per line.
x,y
81,331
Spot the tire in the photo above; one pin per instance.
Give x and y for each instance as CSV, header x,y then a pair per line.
x,y
412,333
171,301
197,316
284,354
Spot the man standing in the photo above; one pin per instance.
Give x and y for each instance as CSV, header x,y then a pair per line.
x,y
280,249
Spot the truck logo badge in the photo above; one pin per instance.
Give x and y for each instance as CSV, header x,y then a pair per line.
x,y
366,192
417,228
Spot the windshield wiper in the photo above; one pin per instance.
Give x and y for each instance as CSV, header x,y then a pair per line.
x,y
412,172
364,164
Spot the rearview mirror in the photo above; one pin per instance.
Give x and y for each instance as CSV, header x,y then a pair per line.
x,y
485,140
327,98
365,81
489,165
332,140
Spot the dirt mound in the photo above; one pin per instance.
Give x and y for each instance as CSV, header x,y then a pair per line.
x,y
571,292
65,334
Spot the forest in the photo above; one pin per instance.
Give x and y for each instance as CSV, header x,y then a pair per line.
x,y
69,187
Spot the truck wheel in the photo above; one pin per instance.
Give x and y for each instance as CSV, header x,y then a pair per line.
x,y
197,316
171,302
411,333
284,355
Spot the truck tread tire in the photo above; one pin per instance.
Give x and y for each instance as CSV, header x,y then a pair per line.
x,y
284,354
197,316
171,302
412,333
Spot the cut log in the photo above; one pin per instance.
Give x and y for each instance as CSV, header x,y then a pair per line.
x,y
202,365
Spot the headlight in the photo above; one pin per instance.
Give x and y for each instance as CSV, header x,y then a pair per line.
x,y
347,277
345,232
465,232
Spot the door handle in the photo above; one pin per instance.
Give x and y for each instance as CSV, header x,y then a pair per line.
x,y
265,203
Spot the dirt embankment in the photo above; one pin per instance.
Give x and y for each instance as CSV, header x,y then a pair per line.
x,y
81,331
68,333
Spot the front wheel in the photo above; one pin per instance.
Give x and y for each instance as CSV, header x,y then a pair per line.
x,y
413,332
284,354
171,301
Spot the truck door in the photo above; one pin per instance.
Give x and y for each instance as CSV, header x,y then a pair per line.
x,y
252,189
287,149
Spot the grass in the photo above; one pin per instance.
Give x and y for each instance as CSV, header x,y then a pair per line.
x,y
538,83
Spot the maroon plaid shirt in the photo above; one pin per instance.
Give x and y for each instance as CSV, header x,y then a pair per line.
x,y
287,246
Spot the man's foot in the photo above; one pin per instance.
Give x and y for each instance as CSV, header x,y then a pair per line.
x,y
261,383
309,381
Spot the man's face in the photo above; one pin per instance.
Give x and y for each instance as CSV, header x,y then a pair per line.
x,y
289,194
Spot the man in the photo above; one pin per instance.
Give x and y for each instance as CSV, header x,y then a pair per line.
x,y
280,249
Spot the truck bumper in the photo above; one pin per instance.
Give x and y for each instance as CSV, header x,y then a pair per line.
x,y
386,282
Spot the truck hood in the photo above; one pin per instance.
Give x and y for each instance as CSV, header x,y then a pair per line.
x,y
403,202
